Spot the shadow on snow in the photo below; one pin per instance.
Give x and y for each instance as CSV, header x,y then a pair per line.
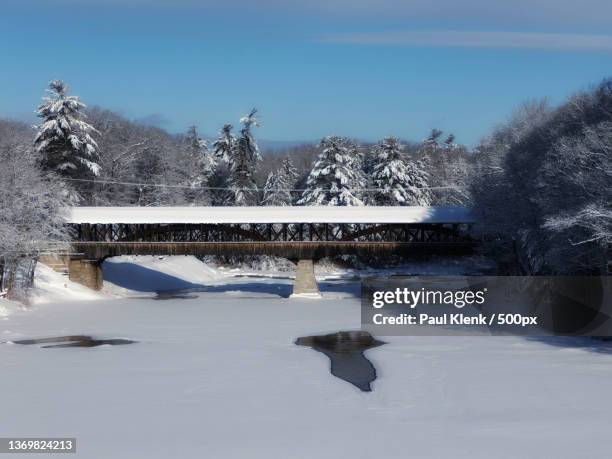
x,y
602,346
139,278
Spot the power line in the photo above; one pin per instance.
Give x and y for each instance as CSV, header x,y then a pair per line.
x,y
164,185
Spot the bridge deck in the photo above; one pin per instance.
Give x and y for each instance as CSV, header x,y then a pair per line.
x,y
256,215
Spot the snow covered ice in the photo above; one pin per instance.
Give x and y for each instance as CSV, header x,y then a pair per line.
x,y
219,376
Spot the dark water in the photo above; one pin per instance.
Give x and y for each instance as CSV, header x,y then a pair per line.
x,y
174,295
74,341
345,350
260,276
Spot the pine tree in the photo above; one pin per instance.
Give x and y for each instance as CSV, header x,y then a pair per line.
x,y
198,168
432,143
278,185
244,163
241,155
449,143
223,149
63,139
288,172
398,181
271,191
358,166
334,178
225,144
447,167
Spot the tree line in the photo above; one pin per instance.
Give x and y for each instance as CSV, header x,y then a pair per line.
x,y
542,186
540,182
105,159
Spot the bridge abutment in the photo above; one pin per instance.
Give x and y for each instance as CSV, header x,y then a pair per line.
x,y
56,261
305,284
86,272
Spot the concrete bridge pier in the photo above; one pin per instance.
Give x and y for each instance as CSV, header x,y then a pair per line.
x,y
305,284
86,272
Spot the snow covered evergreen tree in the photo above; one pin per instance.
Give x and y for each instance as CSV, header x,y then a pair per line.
x,y
223,149
272,191
358,166
446,164
431,144
288,168
278,185
244,163
225,143
398,181
241,156
449,143
64,140
333,179
198,168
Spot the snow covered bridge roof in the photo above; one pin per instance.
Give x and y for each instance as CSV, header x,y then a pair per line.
x,y
269,214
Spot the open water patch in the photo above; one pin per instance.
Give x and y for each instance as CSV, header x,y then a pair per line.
x,y
181,294
74,341
345,350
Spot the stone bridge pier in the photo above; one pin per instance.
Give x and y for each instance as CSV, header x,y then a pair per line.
x,y
305,284
85,272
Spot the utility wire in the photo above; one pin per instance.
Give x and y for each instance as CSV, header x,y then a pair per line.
x,y
163,185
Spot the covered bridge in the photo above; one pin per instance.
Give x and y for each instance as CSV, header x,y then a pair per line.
x,y
298,233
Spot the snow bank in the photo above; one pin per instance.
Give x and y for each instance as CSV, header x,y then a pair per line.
x,y
51,287
150,273
6,307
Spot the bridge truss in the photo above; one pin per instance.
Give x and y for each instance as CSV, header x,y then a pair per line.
x,y
292,240
271,232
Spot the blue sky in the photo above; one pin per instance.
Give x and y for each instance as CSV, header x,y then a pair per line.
x,y
358,68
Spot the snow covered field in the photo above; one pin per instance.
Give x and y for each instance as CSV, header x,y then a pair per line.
x,y
218,376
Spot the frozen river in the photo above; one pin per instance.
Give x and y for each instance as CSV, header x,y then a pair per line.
x,y
219,376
